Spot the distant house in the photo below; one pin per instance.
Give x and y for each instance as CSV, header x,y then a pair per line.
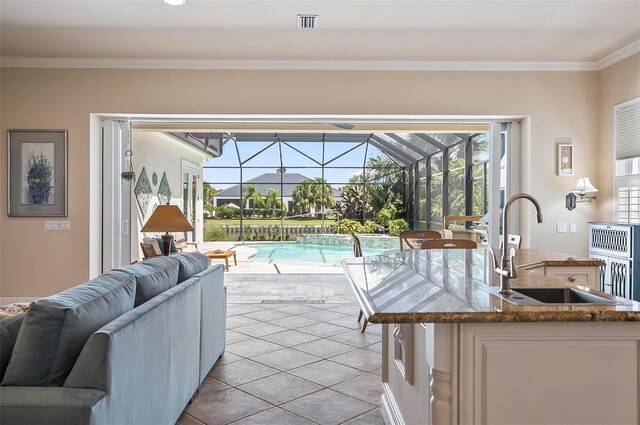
x,y
233,195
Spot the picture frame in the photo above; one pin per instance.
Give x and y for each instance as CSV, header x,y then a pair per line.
x,y
37,173
565,159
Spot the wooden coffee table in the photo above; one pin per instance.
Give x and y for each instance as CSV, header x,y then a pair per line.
x,y
223,254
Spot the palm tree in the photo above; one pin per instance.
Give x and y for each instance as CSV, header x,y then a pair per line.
x,y
311,194
272,200
250,192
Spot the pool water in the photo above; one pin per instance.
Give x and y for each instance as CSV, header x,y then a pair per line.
x,y
329,255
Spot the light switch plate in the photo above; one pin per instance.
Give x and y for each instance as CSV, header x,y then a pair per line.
x,y
572,227
57,225
561,227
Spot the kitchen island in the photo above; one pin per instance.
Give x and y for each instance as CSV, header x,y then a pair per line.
x,y
455,351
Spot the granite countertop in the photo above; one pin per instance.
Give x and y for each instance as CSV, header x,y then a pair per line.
x,y
534,258
455,286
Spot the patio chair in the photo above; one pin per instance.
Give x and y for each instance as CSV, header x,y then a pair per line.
x,y
180,239
449,244
357,252
412,238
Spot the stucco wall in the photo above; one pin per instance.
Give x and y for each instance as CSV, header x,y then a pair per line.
x,y
558,104
156,153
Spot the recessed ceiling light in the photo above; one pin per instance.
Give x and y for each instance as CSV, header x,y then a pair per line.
x,y
175,2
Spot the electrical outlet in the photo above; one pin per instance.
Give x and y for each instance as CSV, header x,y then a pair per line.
x,y
572,228
561,228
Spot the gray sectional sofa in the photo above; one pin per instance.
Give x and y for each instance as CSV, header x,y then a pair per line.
x,y
129,347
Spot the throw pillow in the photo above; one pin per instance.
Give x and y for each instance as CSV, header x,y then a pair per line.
x,y
191,263
9,328
154,243
153,276
56,328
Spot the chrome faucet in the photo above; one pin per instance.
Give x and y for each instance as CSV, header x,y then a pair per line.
x,y
507,268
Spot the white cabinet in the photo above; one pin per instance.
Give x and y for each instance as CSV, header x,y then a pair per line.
x,y
589,276
507,373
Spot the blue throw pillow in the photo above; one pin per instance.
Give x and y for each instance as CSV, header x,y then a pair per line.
x,y
172,247
153,276
56,328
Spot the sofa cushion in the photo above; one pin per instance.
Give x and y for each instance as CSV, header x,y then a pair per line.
x,y
191,263
9,328
153,276
56,328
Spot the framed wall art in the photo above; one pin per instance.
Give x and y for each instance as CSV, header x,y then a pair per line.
x,y
565,159
37,173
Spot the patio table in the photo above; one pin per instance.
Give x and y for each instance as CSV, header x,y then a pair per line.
x,y
223,254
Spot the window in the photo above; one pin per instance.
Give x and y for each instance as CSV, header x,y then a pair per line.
x,y
627,170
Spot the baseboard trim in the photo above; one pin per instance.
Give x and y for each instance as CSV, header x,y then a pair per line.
x,y
11,300
390,411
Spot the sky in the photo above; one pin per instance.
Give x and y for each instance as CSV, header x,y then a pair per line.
x,y
269,161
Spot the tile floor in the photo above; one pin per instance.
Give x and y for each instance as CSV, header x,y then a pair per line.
x,y
292,364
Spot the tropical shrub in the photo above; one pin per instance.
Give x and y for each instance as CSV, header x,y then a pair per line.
x,y
347,226
225,211
370,227
213,232
398,225
385,215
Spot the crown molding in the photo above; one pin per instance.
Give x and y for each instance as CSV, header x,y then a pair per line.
x,y
316,65
619,55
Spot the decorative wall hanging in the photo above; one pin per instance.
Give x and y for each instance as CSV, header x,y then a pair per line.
x,y
565,159
128,174
37,173
143,192
154,178
164,191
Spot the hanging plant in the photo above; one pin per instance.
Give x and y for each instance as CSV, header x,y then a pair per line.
x,y
128,174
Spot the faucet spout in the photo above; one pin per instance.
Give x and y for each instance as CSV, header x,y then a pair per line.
x,y
506,269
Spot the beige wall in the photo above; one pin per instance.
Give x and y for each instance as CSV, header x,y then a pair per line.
x,y
618,83
558,104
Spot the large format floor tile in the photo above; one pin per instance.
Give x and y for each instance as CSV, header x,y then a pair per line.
x,y
273,416
241,372
328,407
226,406
286,359
367,387
359,359
280,388
373,417
326,373
289,363
324,348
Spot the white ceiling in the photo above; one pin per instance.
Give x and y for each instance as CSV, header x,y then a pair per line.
x,y
352,30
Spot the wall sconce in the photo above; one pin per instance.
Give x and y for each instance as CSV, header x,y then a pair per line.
x,y
581,189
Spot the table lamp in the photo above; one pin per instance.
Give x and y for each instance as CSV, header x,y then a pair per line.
x,y
167,218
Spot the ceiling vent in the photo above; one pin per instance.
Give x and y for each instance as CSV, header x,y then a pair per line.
x,y
307,22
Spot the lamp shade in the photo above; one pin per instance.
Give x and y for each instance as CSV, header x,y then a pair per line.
x,y
584,186
167,218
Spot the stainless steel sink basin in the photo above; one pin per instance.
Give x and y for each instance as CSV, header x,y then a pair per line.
x,y
531,296
561,296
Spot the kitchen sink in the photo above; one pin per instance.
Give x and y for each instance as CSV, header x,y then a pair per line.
x,y
561,296
531,296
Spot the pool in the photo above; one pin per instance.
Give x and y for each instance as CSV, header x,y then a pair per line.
x,y
328,255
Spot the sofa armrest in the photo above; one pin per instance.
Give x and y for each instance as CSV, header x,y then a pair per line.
x,y
49,405
213,323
